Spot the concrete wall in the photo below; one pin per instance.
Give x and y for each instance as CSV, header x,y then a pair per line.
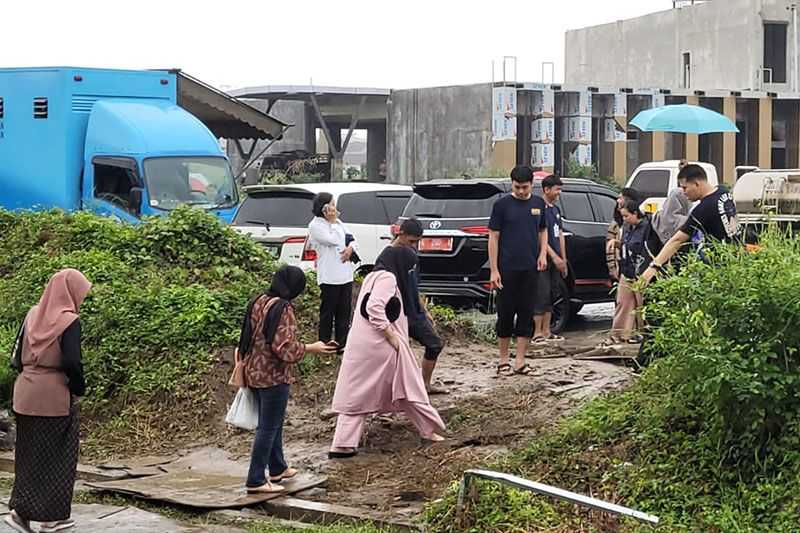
x,y
439,132
298,137
725,39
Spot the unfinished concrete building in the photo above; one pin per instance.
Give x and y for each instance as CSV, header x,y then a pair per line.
x,y
332,113
719,44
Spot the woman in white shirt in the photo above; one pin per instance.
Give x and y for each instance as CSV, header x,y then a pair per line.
x,y
329,237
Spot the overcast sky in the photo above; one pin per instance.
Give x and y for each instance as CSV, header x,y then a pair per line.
x,y
369,43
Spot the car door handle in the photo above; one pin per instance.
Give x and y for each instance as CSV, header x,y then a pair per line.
x,y
568,234
385,238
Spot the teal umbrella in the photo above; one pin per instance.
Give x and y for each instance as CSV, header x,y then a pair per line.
x,y
683,118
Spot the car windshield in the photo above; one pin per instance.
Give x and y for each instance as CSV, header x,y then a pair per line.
x,y
205,182
452,201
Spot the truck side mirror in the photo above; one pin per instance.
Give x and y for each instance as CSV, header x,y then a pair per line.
x,y
136,199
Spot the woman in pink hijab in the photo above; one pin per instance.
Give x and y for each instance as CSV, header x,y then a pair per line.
x,y
48,357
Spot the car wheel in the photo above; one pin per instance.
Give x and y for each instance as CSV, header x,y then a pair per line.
x,y
574,309
561,307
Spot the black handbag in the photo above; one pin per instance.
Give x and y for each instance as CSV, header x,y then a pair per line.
x,y
393,307
354,258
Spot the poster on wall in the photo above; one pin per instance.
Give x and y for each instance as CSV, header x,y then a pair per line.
x,y
504,113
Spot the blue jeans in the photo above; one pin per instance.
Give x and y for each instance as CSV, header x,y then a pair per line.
x,y
268,445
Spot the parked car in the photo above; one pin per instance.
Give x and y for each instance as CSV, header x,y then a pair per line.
x,y
656,180
454,258
277,216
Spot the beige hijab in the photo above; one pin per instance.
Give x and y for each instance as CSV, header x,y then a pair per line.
x,y
56,311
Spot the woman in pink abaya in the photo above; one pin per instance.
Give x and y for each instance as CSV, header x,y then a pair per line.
x,y
379,372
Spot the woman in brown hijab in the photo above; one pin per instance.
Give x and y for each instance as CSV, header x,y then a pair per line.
x,y
48,357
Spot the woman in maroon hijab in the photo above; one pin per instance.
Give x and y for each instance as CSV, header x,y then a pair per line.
x,y
48,357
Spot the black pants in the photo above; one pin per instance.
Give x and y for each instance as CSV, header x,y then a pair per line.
x,y
516,301
546,281
336,306
422,331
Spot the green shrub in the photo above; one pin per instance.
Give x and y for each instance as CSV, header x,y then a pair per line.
x,y
708,438
168,294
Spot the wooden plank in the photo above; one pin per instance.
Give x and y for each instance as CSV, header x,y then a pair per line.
x,y
202,490
85,472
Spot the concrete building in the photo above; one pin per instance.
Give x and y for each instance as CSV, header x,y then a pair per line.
x,y
331,110
718,44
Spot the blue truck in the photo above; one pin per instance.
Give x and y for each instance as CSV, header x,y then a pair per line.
x,y
113,142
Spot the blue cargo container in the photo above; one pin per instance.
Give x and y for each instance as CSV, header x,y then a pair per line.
x,y
111,141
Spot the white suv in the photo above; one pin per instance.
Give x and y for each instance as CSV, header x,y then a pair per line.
x,y
277,216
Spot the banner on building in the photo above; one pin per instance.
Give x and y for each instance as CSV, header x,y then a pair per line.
x,y
504,113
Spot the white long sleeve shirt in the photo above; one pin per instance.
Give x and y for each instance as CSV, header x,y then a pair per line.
x,y
328,240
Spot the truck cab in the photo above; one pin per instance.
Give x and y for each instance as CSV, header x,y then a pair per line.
x,y
114,142
656,180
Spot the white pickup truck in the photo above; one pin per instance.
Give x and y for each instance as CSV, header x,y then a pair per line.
x,y
656,180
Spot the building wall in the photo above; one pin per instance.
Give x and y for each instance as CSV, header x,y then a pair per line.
x,y
297,137
725,39
439,132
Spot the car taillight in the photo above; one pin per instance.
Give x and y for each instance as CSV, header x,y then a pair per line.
x,y
308,253
476,230
487,286
395,229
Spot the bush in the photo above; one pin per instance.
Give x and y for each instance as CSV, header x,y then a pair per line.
x,y
708,438
168,295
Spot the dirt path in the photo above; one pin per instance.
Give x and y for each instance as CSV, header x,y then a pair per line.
x,y
486,416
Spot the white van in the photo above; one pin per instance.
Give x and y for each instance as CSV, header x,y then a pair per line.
x,y
657,179
277,216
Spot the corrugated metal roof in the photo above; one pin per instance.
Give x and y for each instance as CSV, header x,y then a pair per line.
x,y
225,115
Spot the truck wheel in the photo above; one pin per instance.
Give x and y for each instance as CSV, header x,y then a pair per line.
x,y
561,307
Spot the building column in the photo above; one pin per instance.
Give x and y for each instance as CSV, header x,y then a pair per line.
x,y
765,132
659,150
692,150
729,143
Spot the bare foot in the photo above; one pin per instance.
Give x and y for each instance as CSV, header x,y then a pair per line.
x,y
435,438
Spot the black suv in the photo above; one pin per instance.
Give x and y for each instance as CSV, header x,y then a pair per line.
x,y
454,262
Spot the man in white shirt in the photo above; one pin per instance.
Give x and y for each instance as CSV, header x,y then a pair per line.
x,y
328,236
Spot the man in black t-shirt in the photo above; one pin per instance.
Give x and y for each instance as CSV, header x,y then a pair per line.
x,y
713,219
517,250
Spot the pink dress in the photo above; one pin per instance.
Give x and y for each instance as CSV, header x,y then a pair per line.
x,y
374,378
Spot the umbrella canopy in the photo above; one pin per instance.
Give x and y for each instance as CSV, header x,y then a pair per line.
x,y
684,118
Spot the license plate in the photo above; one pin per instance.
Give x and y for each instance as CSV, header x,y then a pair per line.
x,y
436,244
273,249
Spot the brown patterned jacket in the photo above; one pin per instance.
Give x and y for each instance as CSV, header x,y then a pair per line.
x,y
268,365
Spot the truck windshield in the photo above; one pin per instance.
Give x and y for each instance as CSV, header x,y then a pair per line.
x,y
205,182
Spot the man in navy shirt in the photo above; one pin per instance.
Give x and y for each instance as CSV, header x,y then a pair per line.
x,y
557,262
714,219
517,251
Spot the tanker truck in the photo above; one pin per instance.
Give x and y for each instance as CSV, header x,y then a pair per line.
x,y
766,197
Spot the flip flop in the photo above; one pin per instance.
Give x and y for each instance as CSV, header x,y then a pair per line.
x,y
524,370
538,340
555,338
289,473
266,488
57,526
505,370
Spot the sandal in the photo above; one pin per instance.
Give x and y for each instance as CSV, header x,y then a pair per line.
x,y
266,488
636,339
538,340
505,370
61,525
555,338
524,370
289,473
15,522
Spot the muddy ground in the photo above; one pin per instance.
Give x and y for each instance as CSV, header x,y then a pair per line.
x,y
486,416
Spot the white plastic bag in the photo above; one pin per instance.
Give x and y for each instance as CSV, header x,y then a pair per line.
x,y
243,412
